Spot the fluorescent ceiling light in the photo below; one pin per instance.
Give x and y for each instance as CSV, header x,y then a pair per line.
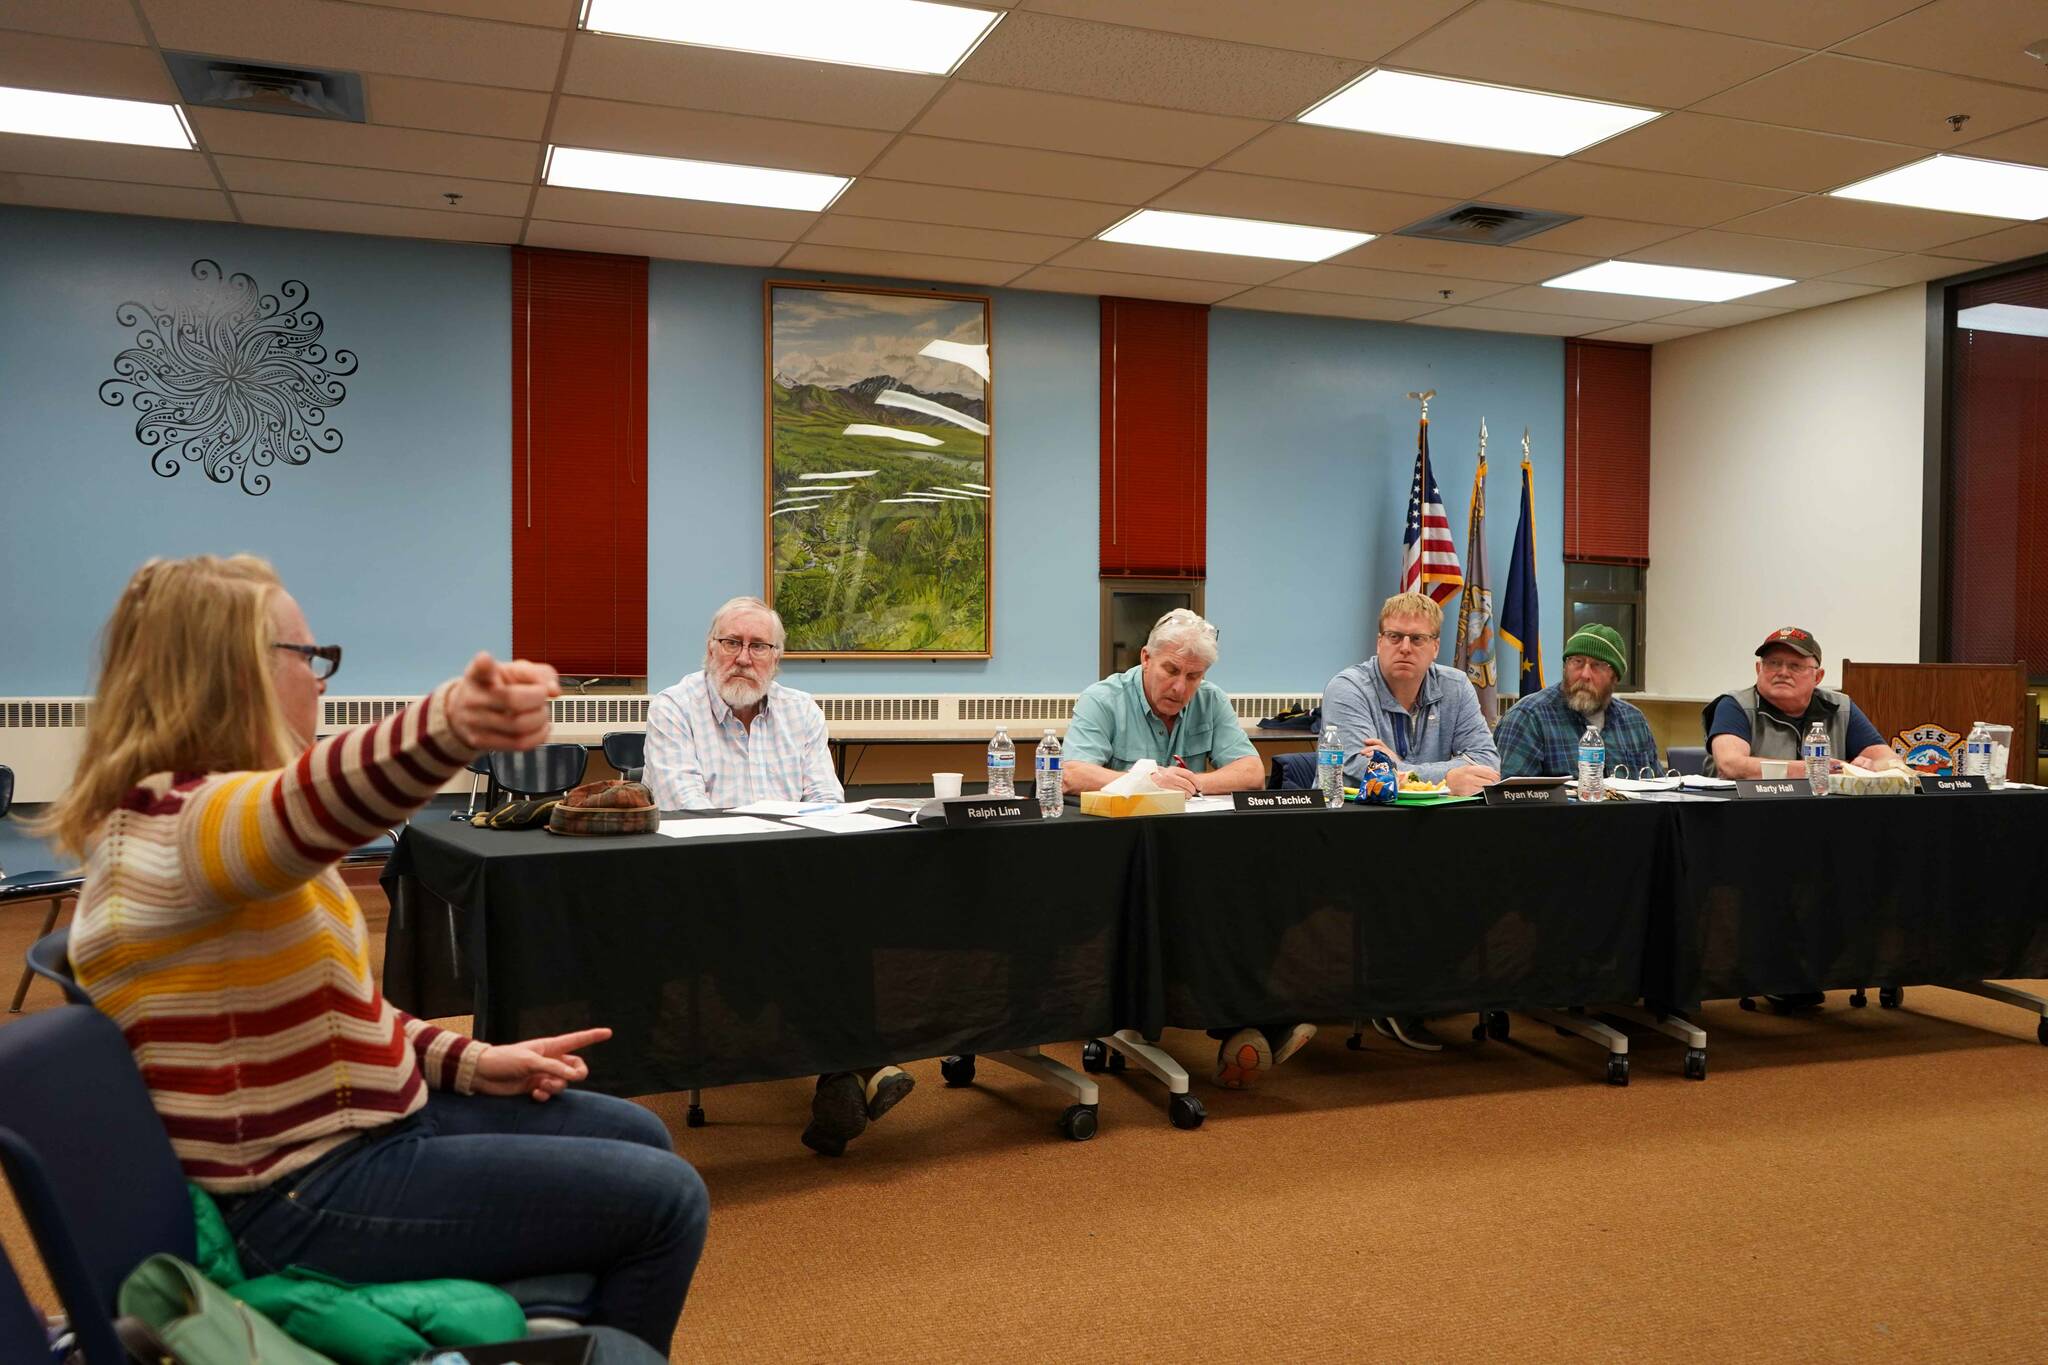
x,y
89,118
2015,318
896,35
1232,236
916,438
1664,281
581,168
1959,184
1433,109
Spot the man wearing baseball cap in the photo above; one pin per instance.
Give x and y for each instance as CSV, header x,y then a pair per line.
x,y
1539,736
1768,721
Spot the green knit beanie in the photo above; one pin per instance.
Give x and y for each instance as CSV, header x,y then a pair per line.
x,y
1599,642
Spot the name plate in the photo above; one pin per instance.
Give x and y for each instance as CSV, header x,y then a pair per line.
x,y
970,812
1277,800
1555,795
1772,788
1931,785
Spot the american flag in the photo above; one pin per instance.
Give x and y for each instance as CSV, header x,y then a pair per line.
x,y
1429,557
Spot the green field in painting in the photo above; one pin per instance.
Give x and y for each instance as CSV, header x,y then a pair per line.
x,y
857,573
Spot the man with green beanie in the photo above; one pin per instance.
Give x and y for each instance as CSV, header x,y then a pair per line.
x,y
1539,736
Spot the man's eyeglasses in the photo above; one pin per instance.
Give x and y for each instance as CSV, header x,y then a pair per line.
x,y
1395,637
731,645
324,660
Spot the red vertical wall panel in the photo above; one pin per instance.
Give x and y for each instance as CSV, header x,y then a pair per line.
x,y
1155,439
1606,452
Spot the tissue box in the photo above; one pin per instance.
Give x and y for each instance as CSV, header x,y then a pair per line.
x,y
1140,803
1853,781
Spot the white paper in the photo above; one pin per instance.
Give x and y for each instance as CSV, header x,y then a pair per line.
x,y
1202,803
851,823
1138,779
715,825
779,807
1709,783
1639,784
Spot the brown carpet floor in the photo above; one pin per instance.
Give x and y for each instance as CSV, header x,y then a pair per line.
x,y
1854,1186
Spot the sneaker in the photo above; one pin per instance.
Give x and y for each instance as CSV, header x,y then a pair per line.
x,y
1293,1042
839,1114
885,1089
1384,1027
1242,1057
1410,1031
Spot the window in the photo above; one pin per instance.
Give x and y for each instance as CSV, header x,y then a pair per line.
x,y
1130,608
1608,595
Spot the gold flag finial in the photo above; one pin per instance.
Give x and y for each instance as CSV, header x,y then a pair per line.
x,y
1482,440
1525,445
1423,398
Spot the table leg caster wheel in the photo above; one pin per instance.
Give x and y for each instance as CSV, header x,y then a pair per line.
x,y
1078,1123
1185,1111
1479,1029
1497,1025
1617,1071
1117,1061
1092,1053
1891,997
1858,1000
1695,1063
2041,1032
695,1118
1747,1003
1356,1042
958,1071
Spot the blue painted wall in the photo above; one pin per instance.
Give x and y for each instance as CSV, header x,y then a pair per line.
x,y
387,542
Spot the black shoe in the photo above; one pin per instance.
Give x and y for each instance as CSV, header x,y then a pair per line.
x,y
1797,1002
839,1113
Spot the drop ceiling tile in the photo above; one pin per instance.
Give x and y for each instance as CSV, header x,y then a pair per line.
x,y
1903,270
1986,38
1723,315
485,110
1497,320
1752,153
1509,265
1810,294
310,180
1833,94
1070,123
668,246
2028,239
1023,170
1174,71
900,265
1856,222
115,70
1583,303
230,132
706,136
362,38
1637,196
2028,144
1809,23
1646,333
104,161
1756,255
546,13
1600,236
981,244
1065,281
1297,151
1297,201
325,215
1278,300
1156,260
670,215
604,67
1325,278
104,21
1576,52
107,196
1343,28
876,198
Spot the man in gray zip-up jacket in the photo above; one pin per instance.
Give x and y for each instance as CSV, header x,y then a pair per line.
x,y
1424,716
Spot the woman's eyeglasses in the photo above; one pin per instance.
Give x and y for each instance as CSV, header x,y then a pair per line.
x,y
322,659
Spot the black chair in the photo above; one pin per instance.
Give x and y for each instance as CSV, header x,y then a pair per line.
x,y
50,958
626,750
44,884
1687,762
548,770
1293,771
479,769
22,1335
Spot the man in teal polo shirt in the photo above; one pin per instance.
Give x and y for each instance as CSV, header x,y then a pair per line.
x,y
1166,710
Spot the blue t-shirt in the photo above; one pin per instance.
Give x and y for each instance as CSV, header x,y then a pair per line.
x,y
1729,720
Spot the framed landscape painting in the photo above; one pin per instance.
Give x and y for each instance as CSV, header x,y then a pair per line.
x,y
879,471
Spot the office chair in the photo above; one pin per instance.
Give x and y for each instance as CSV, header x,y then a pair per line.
x,y
626,750
547,770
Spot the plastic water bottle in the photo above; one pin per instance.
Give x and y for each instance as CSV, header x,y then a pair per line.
x,y
1051,800
1977,752
1592,766
1002,764
1330,767
1814,749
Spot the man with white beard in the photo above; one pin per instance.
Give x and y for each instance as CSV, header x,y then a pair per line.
x,y
1539,736
729,735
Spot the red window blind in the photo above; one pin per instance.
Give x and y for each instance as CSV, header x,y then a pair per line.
x,y
1997,479
1606,452
1155,439
579,461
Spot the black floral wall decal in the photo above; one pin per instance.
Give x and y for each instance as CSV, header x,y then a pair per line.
x,y
229,378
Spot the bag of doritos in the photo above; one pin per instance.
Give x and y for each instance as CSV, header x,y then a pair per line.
x,y
1380,784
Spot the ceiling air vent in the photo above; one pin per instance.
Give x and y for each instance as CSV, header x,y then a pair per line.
x,y
1485,224
303,92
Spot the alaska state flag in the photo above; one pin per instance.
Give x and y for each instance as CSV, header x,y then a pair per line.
x,y
1521,619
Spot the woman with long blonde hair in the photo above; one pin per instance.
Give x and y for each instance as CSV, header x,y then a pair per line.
x,y
336,1131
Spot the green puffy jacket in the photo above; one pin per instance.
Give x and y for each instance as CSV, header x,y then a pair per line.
x,y
358,1324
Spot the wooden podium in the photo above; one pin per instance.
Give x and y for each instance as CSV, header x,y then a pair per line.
x,y
1920,708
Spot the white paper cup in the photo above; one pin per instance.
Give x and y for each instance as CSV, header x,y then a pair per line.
x,y
945,785
1775,767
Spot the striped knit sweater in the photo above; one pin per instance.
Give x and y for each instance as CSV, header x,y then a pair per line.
x,y
215,929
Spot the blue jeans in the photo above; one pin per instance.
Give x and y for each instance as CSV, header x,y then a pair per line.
x,y
493,1188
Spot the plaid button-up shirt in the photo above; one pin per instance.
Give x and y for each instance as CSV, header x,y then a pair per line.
x,y
700,757
1539,737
